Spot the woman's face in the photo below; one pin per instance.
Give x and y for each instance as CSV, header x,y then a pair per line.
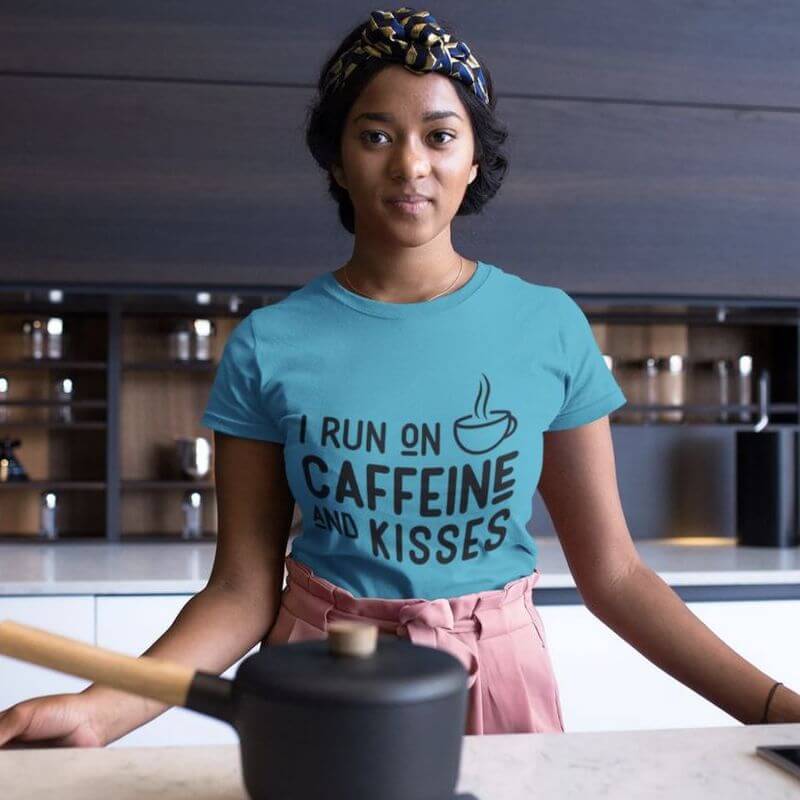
x,y
388,148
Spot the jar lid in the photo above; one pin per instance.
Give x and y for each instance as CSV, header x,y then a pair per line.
x,y
397,672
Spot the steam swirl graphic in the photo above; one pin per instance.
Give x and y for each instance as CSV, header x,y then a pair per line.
x,y
482,400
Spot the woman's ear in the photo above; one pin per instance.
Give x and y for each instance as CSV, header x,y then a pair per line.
x,y
473,173
338,175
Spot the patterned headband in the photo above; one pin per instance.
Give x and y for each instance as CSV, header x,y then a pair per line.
x,y
415,40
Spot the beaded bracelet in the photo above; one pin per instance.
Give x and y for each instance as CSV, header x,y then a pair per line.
x,y
769,697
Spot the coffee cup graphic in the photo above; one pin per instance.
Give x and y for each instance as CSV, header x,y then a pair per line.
x,y
483,430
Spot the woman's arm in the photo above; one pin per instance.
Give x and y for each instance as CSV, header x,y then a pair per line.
x,y
579,487
239,604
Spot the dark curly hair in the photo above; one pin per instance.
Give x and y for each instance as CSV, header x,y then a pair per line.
x,y
326,117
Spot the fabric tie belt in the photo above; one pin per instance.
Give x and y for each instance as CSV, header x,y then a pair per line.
x,y
474,628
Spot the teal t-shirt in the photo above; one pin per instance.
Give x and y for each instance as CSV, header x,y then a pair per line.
x,y
412,432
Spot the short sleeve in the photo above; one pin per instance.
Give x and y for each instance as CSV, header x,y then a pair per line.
x,y
590,389
237,403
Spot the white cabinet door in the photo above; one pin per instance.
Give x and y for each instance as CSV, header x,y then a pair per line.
x,y
67,616
130,624
605,684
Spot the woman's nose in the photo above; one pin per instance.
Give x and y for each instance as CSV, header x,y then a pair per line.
x,y
410,160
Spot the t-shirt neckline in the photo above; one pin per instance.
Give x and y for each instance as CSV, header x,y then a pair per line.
x,y
380,308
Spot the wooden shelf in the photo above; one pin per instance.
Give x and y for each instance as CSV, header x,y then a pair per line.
x,y
45,403
194,365
166,485
59,426
772,408
61,485
50,363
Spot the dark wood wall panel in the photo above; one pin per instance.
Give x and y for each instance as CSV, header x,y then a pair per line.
x,y
674,480
121,181
714,51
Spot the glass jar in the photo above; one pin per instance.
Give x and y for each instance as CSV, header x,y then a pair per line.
x,y
204,330
710,385
33,331
64,390
4,392
180,342
670,380
744,385
55,337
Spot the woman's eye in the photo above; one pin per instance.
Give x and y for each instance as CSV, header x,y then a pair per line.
x,y
445,133
368,134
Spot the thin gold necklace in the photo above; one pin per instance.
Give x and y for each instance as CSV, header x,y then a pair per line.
x,y
344,269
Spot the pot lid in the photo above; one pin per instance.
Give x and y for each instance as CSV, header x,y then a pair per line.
x,y
397,672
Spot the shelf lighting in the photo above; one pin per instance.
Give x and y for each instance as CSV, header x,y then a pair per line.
x,y
203,298
700,541
202,327
675,363
3,398
55,296
55,326
745,365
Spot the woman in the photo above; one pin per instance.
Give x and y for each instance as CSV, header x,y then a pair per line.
x,y
410,402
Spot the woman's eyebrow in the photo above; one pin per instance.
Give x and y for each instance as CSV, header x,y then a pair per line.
x,y
381,116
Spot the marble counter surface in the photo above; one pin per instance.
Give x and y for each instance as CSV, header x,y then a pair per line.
x,y
692,764
183,567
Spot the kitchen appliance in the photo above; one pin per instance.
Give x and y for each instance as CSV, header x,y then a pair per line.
x,y
10,468
194,456
353,717
767,476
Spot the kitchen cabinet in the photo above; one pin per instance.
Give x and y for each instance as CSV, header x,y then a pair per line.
x,y
130,625
605,684
67,616
108,454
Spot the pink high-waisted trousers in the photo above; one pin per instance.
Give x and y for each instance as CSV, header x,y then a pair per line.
x,y
497,635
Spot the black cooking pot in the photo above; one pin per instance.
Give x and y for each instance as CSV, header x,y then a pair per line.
x,y
355,717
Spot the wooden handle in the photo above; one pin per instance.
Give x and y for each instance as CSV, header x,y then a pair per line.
x,y
352,638
143,675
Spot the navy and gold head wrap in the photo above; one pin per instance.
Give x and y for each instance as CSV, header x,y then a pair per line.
x,y
413,39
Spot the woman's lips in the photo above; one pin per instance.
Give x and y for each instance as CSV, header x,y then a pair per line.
x,y
412,208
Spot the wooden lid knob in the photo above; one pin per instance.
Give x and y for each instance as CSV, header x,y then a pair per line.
x,y
347,638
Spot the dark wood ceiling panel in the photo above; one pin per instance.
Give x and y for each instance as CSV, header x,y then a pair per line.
x,y
128,181
716,52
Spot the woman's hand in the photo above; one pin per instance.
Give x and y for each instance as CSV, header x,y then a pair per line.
x,y
58,720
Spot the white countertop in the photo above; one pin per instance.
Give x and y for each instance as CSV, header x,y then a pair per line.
x,y
690,764
183,567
